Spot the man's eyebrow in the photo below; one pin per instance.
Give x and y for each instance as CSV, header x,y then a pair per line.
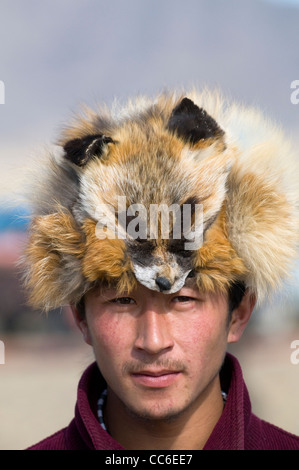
x,y
190,283
101,289
106,293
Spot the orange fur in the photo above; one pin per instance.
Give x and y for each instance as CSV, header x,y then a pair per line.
x,y
216,261
105,260
53,239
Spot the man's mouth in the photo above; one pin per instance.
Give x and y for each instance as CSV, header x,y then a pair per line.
x,y
156,378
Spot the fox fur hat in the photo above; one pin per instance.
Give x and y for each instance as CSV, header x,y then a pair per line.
x,y
183,150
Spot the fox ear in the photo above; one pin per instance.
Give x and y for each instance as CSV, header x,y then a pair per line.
x,y
192,123
80,151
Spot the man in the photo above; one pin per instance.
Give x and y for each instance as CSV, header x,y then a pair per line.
x,y
157,302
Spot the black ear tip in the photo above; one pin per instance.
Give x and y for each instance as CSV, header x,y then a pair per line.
x,y
71,145
192,123
186,106
80,151
74,151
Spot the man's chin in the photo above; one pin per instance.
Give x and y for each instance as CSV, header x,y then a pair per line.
x,y
157,412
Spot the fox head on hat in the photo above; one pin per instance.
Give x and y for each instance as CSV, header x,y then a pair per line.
x,y
97,208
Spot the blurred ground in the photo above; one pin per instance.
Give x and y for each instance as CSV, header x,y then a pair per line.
x,y
38,386
271,378
41,372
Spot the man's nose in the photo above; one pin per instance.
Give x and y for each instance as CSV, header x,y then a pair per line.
x,y
153,332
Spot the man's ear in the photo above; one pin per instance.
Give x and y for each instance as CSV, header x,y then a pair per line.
x,y
82,325
240,317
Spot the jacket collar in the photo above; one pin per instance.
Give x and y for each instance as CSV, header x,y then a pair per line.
x,y
86,421
230,430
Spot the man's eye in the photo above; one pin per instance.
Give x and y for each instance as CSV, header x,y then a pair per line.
x,y
183,298
123,300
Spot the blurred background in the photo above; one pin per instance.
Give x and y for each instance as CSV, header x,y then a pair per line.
x,y
57,54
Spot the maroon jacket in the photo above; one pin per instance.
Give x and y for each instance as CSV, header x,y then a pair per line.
x,y
237,429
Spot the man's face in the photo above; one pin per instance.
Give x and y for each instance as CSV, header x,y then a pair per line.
x,y
159,353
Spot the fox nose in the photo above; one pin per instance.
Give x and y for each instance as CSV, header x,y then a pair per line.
x,y
163,283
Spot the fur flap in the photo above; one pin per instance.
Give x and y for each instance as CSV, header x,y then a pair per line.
x,y
175,150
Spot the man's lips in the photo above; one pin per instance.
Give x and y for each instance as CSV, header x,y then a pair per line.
x,y
156,378
156,373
